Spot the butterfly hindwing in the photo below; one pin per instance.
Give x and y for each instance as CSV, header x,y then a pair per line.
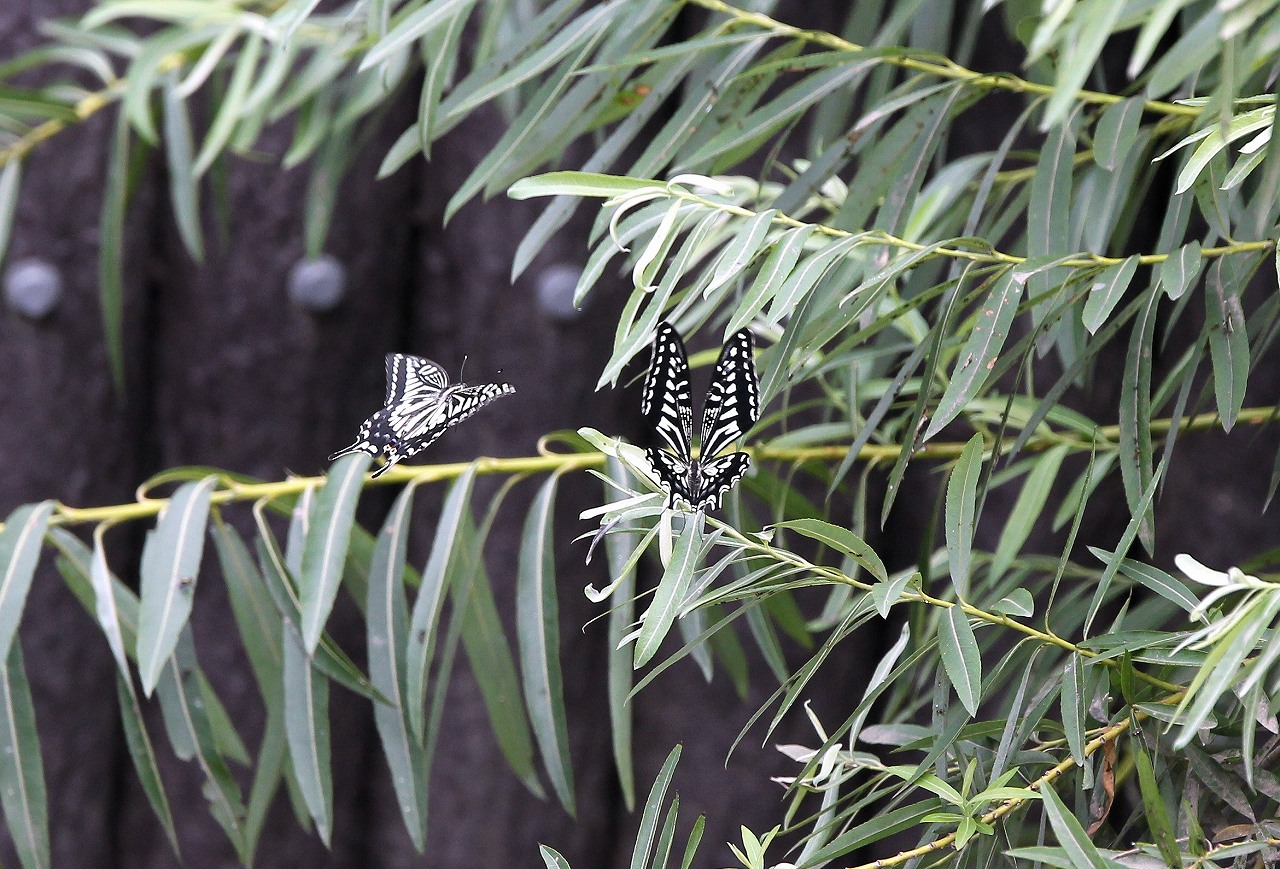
x,y
717,476
671,473
665,403
733,400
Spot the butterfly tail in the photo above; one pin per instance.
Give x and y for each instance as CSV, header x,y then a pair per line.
x,y
360,446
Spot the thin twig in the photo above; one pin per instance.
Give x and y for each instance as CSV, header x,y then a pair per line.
x,y
943,68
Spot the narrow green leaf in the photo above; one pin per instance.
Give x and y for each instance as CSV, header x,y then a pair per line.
x,y
105,605
326,544
618,547
1080,56
783,108
880,826
1116,131
579,31
661,614
1153,578
586,184
409,29
1073,703
266,779
1228,343
257,619
769,280
306,719
1106,291
552,858
184,186
143,755
538,627
231,105
182,703
842,540
981,351
226,738
662,853
10,184
388,627
1154,807
1031,501
1070,834
1180,270
329,658
493,665
22,790
20,544
170,567
420,645
441,52
740,251
960,657
961,515
489,173
115,198
652,807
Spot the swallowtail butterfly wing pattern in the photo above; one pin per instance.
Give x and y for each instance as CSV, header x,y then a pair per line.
x,y
420,406
731,408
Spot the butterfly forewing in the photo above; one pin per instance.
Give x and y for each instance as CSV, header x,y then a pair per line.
x,y
733,400
425,375
420,407
665,403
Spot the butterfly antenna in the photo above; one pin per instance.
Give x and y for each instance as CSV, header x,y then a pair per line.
x,y
463,369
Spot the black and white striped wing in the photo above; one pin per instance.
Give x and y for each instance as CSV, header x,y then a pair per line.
x,y
461,401
717,476
671,473
733,400
412,378
665,403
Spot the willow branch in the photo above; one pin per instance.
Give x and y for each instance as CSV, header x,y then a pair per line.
x,y
941,68
1109,735
231,490
838,577
989,255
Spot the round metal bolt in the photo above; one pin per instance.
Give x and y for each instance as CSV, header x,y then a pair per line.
x,y
32,288
318,284
556,286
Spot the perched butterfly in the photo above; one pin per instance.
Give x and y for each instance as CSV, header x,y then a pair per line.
x,y
730,410
419,407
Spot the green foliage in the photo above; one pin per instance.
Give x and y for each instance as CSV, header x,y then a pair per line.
x,y
914,308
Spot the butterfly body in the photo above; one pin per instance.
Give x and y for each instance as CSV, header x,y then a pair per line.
x,y
420,406
731,408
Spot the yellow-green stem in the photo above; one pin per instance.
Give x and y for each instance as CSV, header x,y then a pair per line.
x,y
232,491
991,256
944,68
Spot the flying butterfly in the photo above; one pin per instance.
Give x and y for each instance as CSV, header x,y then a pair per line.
x,y
420,406
731,408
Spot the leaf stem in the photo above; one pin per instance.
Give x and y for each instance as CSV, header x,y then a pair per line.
x,y
990,255
1109,735
941,68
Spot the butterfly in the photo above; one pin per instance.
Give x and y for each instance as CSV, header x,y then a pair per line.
x,y
420,406
731,408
